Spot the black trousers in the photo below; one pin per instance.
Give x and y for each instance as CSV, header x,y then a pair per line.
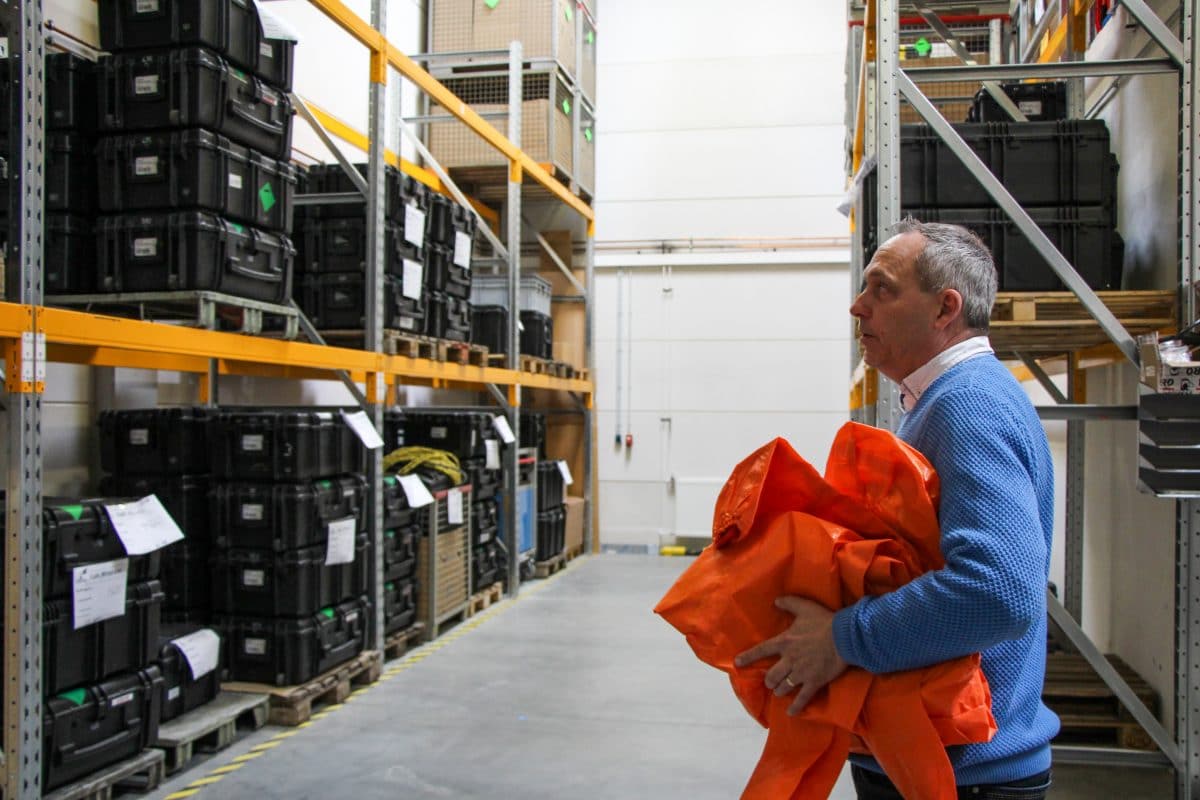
x,y
876,786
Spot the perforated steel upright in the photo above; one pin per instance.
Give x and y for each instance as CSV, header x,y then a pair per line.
x,y
512,211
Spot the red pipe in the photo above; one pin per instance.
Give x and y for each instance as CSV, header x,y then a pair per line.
x,y
950,19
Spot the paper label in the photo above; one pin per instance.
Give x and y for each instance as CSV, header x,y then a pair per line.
x,y
145,165
139,437
414,226
492,447
1030,108
361,424
145,84
252,442
454,506
252,512
98,591
351,617
255,647
146,6
266,50
438,433
324,416
500,423
417,492
235,180
145,247
143,526
340,549
408,323
253,577
121,700
173,693
414,276
274,27
565,471
201,650
462,250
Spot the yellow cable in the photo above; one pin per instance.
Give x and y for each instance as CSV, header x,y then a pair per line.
x,y
407,460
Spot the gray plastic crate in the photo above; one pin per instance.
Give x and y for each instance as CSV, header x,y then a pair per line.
x,y
533,294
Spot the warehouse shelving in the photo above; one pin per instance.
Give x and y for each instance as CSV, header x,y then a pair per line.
x,y
32,335
1051,48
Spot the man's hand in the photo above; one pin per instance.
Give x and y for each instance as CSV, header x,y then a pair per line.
x,y
808,658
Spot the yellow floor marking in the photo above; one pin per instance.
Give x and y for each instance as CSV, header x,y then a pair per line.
x,y
248,757
181,795
228,768
205,781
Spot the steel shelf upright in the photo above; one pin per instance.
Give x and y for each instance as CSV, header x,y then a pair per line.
x,y
881,83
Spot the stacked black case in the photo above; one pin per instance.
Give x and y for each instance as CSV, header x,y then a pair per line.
x,y
197,190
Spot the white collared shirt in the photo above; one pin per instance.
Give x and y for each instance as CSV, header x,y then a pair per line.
x,y
912,387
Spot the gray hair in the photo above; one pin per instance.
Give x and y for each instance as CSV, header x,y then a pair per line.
x,y
955,258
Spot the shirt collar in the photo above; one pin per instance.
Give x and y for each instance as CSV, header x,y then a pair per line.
x,y
912,387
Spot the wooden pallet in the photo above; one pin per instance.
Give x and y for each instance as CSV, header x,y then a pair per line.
x,y
202,309
544,569
473,355
481,601
1057,322
401,343
293,705
573,553
1090,712
399,643
142,773
535,366
210,728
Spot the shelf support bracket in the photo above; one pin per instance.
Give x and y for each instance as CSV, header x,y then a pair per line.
x,y
354,175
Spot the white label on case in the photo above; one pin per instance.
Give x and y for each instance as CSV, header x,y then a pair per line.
x,y
462,250
235,180
145,84
173,693
201,650
145,165
414,226
365,430
408,323
325,416
266,50
143,526
565,471
492,447
252,442
98,591
146,6
122,700
253,577
1030,108
145,247
255,647
438,433
414,276
500,423
454,507
416,491
252,512
351,617
340,547
139,436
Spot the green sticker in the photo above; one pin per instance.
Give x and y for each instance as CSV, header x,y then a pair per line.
x,y
570,15
389,481
325,484
389,586
389,534
923,47
233,226
566,106
587,134
75,511
327,613
590,37
491,3
266,196
76,696
237,73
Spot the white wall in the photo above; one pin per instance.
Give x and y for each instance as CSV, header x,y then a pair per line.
x,y
715,120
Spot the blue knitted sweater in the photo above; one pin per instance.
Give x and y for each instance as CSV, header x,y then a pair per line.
x,y
977,427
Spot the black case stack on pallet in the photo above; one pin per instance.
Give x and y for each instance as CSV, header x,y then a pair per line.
x,y
182,691
164,452
102,692
489,325
450,235
196,187
288,509
552,511
470,435
1062,172
68,243
331,240
402,532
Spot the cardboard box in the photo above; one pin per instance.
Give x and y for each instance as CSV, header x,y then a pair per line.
x,y
574,533
1173,378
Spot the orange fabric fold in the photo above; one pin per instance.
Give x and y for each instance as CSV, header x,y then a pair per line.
x,y
867,527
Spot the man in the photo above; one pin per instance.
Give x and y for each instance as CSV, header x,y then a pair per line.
x,y
923,318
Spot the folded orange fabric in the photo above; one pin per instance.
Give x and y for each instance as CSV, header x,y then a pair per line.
x,y
869,526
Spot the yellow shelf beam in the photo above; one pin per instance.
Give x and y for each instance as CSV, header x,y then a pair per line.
x,y
381,47
81,338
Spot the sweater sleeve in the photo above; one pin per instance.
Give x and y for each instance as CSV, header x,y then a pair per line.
x,y
992,587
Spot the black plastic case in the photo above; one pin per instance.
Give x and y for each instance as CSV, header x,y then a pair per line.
x,y
443,275
337,301
550,486
396,513
187,581
292,583
488,565
193,250
229,27
400,552
88,728
76,533
447,317
400,191
74,657
399,605
284,652
1039,102
185,497
181,692
283,444
70,94
194,88
69,251
533,431
286,516
537,334
464,433
551,533
154,441
327,243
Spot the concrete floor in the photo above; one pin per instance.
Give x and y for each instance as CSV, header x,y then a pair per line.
x,y
575,690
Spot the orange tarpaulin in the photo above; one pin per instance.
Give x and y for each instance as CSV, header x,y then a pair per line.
x,y
869,526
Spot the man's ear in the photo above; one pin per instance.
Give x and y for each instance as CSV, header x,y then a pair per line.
x,y
950,308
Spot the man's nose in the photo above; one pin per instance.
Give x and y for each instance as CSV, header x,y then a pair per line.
x,y
858,307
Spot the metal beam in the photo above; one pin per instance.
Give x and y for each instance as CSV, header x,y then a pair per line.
x,y
512,211
1113,680
1086,412
1111,326
313,336
1157,29
998,94
558,262
1070,69
1050,386
1039,32
1107,757
1187,646
306,114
